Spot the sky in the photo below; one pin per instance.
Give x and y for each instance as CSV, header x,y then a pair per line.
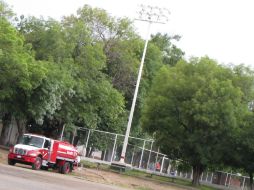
x,y
220,29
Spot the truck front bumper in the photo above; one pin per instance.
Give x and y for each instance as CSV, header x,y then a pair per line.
x,y
24,159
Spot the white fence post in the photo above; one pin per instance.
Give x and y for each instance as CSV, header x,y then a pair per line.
x,y
85,146
229,182
162,164
61,138
243,183
141,157
74,134
201,177
169,167
206,176
132,156
113,151
226,179
157,155
149,157
211,178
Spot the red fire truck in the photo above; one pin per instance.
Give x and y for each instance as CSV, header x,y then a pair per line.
x,y
43,153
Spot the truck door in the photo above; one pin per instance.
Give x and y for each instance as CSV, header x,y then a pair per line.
x,y
53,151
45,151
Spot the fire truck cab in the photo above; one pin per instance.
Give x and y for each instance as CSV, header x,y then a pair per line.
x,y
42,153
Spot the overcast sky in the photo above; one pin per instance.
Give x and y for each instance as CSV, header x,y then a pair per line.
x,y
221,29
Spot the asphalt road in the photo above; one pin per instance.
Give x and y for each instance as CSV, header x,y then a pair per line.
x,y
22,178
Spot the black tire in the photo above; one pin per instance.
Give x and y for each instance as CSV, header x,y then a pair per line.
x,y
37,164
66,168
44,168
11,162
71,167
60,169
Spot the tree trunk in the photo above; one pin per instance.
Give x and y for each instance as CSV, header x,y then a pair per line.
x,y
76,140
1,127
61,131
87,151
21,124
3,137
251,180
70,136
197,171
6,120
91,152
102,154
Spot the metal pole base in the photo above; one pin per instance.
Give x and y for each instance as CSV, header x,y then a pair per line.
x,y
118,166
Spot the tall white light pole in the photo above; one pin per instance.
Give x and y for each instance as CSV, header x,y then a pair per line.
x,y
151,15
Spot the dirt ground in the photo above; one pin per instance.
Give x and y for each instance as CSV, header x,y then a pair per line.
x,y
111,178
3,156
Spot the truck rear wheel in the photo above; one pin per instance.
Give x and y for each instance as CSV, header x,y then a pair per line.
x,y
37,164
11,162
66,168
44,168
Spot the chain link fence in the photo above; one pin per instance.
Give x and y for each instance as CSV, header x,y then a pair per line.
x,y
142,154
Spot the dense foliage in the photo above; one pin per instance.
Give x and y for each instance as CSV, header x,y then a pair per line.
x,y
80,71
195,108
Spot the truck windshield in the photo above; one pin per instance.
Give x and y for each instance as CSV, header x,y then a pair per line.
x,y
32,141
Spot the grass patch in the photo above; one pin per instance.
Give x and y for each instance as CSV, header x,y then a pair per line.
x,y
204,187
143,188
141,174
176,181
87,164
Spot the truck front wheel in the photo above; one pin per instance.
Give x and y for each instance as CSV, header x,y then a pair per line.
x,y
66,168
37,164
11,162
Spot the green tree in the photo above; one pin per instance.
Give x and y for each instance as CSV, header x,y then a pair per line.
x,y
122,48
46,37
170,52
75,91
5,11
193,108
241,157
19,74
